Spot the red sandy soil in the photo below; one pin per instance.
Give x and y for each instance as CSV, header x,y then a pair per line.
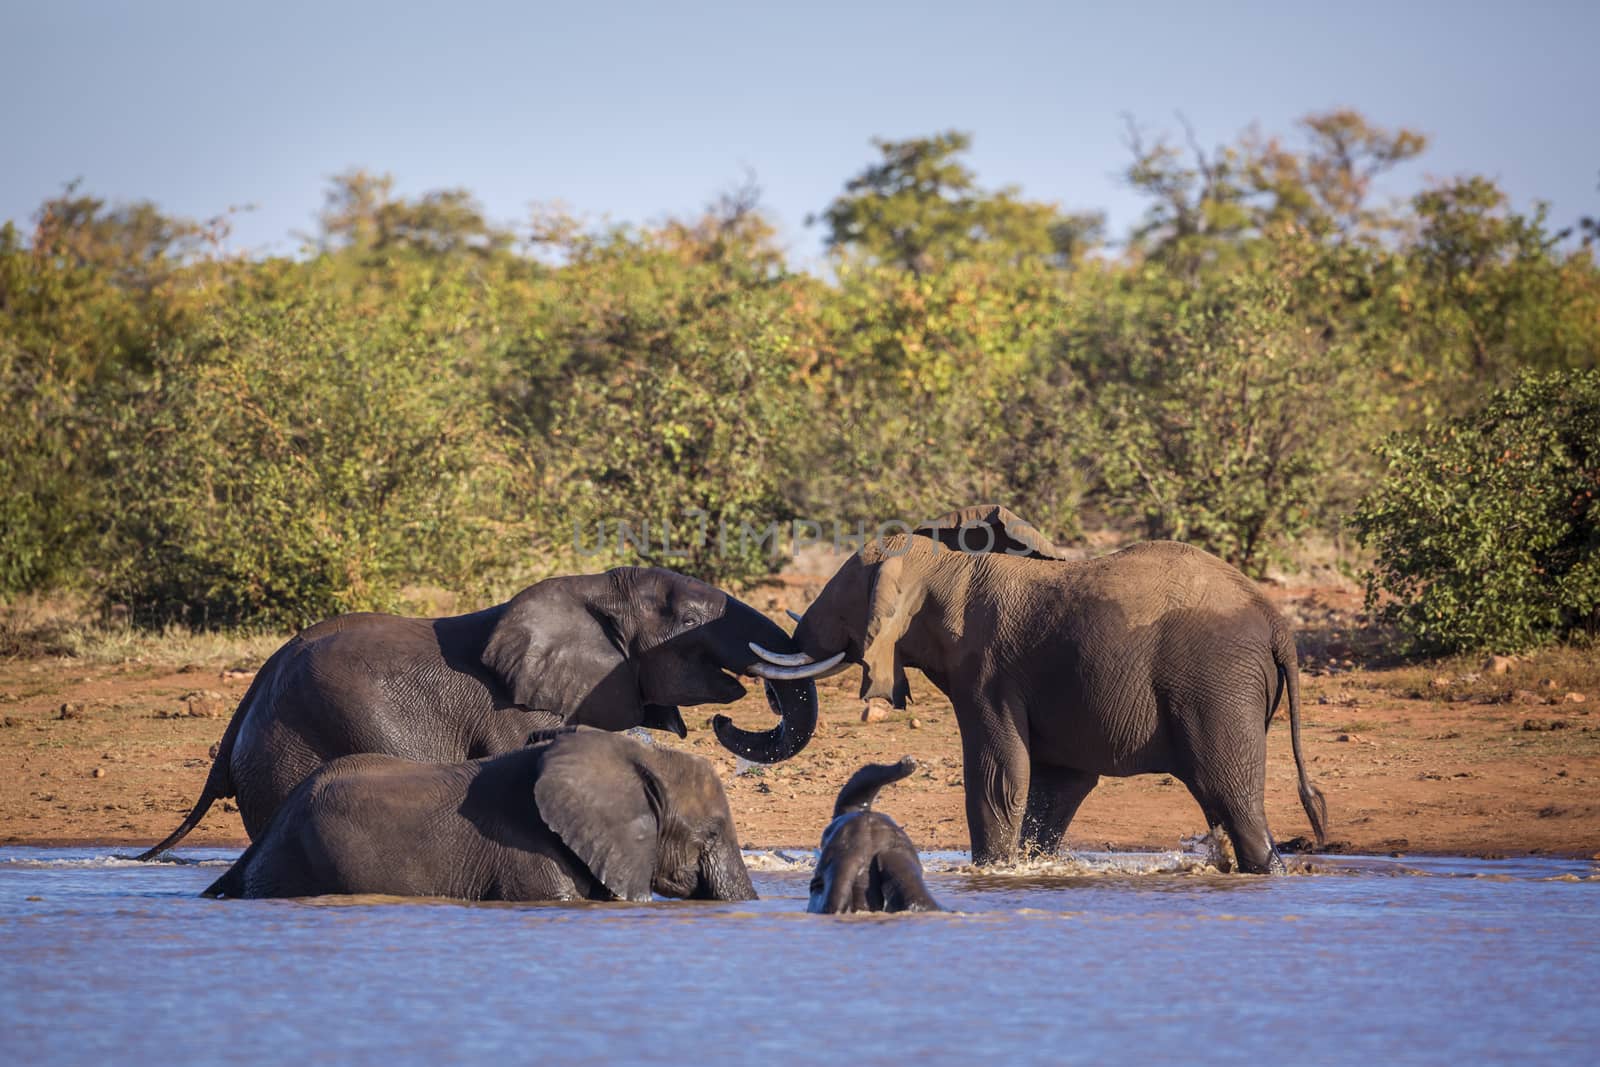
x,y
1442,758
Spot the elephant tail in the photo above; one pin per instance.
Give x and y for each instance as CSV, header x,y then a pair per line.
x,y
1288,662
862,788
219,781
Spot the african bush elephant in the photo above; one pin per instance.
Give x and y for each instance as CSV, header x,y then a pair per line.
x,y
581,815
613,650
867,863
1159,658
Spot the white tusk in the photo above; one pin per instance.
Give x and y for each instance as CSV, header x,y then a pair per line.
x,y
782,659
795,615
820,669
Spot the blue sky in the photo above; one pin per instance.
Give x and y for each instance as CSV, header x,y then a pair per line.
x,y
634,111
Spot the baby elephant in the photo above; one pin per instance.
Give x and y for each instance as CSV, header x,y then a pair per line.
x,y
867,862
584,814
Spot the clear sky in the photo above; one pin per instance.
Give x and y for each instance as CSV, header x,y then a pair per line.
x,y
635,111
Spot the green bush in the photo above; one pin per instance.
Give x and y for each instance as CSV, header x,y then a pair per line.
x,y
1486,528
301,455
697,432
1224,417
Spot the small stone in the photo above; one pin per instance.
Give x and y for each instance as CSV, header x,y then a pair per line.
x,y
1352,738
1574,698
99,772
1499,664
875,711
915,724
70,710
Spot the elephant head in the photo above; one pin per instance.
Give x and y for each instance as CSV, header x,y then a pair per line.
x,y
642,819
626,647
868,606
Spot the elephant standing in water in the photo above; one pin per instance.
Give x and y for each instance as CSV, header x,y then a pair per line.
x,y
866,862
582,815
1156,659
613,650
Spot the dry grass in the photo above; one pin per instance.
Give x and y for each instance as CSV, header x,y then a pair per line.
x,y
1543,677
65,628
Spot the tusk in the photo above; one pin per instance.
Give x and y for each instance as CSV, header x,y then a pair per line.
x,y
795,615
782,659
820,669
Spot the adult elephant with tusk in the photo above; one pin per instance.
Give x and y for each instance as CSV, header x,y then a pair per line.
x,y
1157,659
613,650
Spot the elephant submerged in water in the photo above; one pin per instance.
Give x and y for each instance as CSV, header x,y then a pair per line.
x,y
581,815
866,862
613,650
1159,658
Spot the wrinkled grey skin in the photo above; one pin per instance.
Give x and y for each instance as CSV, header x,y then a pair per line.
x,y
866,862
613,650
1156,659
583,815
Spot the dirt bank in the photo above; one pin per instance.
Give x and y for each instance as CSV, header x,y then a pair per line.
x,y
1445,757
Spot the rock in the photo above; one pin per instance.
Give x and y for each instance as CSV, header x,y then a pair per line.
x,y
915,723
99,772
1499,664
875,711
1352,738
1574,698
70,710
8,722
204,704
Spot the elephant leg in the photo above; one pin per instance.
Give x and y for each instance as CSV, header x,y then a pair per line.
x,y
1244,819
995,769
1054,794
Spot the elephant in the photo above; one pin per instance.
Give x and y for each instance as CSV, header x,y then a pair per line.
x,y
614,650
1159,658
866,861
582,814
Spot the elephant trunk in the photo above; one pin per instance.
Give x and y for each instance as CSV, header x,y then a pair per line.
x,y
796,704
794,700
723,875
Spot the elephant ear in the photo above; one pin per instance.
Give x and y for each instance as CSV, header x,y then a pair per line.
x,y
604,804
556,648
897,596
990,528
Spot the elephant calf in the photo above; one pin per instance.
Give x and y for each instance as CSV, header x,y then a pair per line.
x,y
582,815
867,862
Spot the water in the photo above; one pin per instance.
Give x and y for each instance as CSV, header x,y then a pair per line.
x,y
1106,958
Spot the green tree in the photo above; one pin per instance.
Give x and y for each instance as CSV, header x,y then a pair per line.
x,y
362,214
920,208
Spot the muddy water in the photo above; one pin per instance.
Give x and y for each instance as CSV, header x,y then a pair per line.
x,y
1102,958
